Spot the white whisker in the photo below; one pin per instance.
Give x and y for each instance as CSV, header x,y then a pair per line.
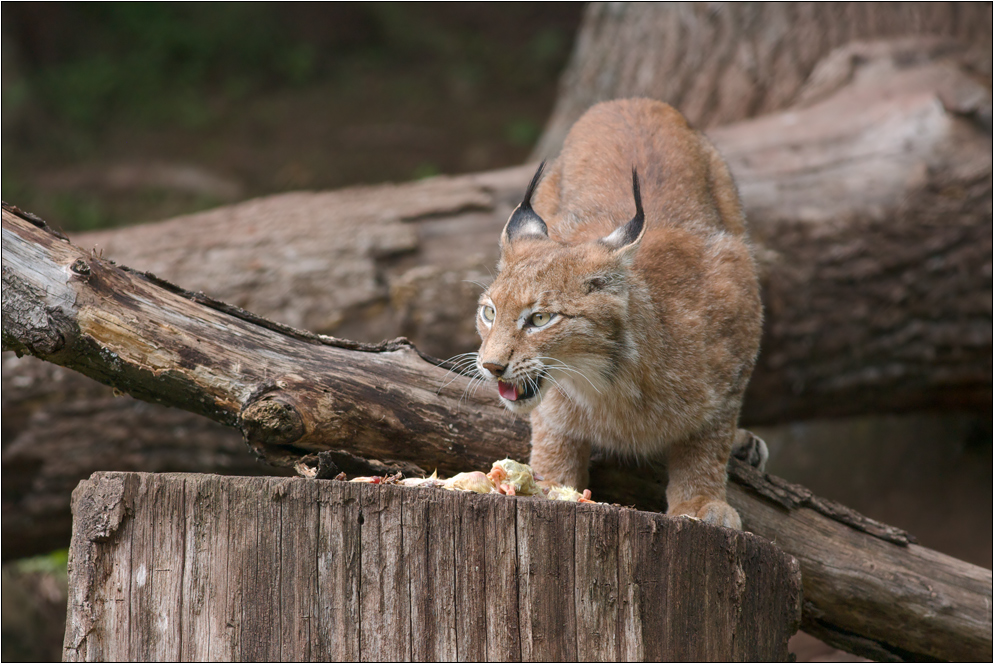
x,y
457,365
562,390
562,366
469,390
482,381
475,283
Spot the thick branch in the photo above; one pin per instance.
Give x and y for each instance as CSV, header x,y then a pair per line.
x,y
292,393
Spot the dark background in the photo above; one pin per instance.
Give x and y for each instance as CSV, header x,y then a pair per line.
x,y
127,112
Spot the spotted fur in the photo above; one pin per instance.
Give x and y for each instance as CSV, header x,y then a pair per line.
x,y
652,331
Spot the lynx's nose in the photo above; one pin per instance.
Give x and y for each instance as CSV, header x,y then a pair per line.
x,y
494,368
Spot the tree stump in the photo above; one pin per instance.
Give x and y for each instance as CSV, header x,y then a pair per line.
x,y
203,567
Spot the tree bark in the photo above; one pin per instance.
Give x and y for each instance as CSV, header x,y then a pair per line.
x,y
354,572
874,198
303,399
724,62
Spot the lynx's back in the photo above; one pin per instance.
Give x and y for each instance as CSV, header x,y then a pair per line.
x,y
626,314
685,184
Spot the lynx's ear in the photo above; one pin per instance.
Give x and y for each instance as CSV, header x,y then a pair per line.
x,y
628,236
524,220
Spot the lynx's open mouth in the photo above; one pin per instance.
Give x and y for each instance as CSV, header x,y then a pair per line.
x,y
515,392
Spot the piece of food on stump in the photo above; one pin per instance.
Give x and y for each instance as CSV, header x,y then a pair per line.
x,y
568,493
507,477
475,481
514,479
430,482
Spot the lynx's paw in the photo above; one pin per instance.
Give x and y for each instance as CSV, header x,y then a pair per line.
x,y
713,512
750,448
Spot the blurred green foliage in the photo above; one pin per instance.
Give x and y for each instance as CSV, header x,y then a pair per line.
x,y
264,96
162,62
185,63
35,591
425,170
522,131
56,562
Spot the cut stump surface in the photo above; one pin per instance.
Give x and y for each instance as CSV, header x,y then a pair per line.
x,y
203,567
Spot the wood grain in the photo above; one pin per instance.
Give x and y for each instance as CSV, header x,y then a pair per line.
x,y
721,63
278,592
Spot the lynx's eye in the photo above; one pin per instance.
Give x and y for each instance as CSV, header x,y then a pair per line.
x,y
540,319
488,313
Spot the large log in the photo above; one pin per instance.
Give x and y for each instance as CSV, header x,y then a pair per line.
x,y
870,207
721,62
253,569
308,400
874,198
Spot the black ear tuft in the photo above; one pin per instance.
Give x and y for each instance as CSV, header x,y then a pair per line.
x,y
524,220
639,212
633,229
631,232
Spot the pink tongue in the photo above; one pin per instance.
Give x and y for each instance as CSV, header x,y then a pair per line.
x,y
507,390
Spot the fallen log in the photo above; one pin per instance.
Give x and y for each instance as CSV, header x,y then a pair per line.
x,y
308,400
727,61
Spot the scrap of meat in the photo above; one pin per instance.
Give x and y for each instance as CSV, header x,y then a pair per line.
x,y
514,479
475,481
506,477
568,493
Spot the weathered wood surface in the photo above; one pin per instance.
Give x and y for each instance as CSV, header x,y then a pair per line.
x,y
209,568
721,62
306,399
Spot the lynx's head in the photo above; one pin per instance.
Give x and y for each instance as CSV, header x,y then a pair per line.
x,y
556,313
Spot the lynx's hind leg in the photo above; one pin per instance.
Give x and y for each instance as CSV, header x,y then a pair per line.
x,y
557,457
751,448
697,476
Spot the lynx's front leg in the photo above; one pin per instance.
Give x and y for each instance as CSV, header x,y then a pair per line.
x,y
557,457
697,477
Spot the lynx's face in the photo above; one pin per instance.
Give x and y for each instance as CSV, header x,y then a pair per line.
x,y
554,316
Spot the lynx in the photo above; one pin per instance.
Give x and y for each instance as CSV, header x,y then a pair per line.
x,y
625,314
